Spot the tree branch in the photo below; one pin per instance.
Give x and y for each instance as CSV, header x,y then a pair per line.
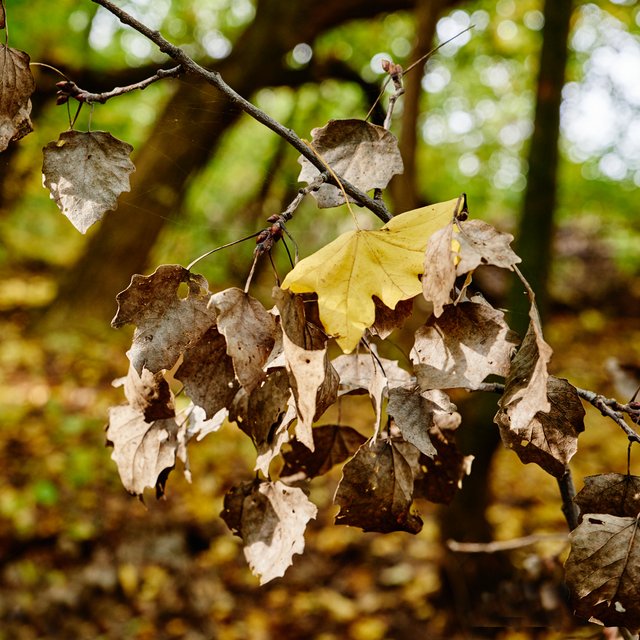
x,y
190,66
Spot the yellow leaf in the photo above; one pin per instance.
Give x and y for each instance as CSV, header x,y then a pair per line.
x,y
357,265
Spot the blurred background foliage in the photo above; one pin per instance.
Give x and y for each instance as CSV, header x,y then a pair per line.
x,y
78,557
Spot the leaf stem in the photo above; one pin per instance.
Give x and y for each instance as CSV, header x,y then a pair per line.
x,y
224,246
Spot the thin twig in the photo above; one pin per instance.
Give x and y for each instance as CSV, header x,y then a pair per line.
x,y
567,494
215,79
69,89
503,545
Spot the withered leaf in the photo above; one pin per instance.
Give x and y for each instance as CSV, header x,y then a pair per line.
x,y
603,570
439,478
293,309
3,18
439,269
85,173
207,373
260,413
525,392
388,320
376,490
333,444
612,493
417,413
271,518
269,449
362,153
482,244
199,425
462,347
550,439
166,323
250,333
314,383
144,451
16,86
149,393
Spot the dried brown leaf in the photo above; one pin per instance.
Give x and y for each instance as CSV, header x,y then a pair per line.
x,y
333,444
16,86
376,490
250,331
362,153
417,413
3,17
462,347
207,373
481,244
85,173
603,570
612,493
439,269
145,452
166,323
550,439
388,320
294,310
271,518
439,478
278,437
149,393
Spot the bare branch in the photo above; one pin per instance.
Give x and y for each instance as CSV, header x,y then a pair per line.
x,y
215,79
504,545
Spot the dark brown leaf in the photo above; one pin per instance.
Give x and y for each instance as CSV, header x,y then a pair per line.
x,y
16,86
612,493
481,244
364,154
417,413
467,343
3,18
333,444
294,312
271,518
145,452
250,333
207,373
439,269
550,439
388,320
149,393
166,323
603,570
376,490
85,173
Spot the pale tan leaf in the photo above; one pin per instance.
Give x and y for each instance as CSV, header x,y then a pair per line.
x,y
417,413
85,173
207,373
612,493
462,347
481,244
149,393
364,154
603,570
550,439
268,450
16,86
166,323
271,519
200,426
376,490
439,269
250,332
145,452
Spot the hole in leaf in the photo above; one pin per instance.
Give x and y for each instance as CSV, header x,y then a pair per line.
x,y
183,291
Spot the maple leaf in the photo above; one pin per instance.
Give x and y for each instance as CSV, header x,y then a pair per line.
x,y
612,493
250,333
144,451
85,173
333,444
364,154
603,570
271,518
550,439
16,86
166,323
358,265
376,490
462,347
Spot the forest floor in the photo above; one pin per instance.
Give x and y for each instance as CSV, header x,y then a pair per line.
x,y
80,558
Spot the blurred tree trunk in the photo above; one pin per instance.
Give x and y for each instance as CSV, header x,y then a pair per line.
x,y
465,519
181,143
